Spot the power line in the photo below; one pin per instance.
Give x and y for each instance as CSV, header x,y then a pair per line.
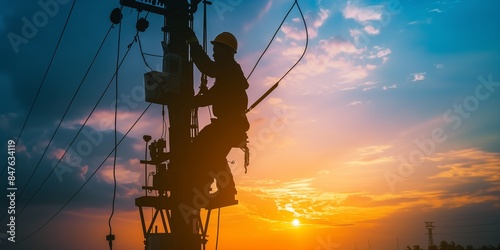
x,y
117,143
149,54
60,122
272,40
44,77
79,131
293,66
141,26
65,113
88,179
142,53
218,224
111,237
305,47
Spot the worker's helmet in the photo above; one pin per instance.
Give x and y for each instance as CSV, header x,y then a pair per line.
x,y
227,39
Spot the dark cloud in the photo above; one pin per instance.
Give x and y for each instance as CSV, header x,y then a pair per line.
x,y
70,175
23,71
21,74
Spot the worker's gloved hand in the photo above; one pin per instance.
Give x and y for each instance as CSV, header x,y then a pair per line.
x,y
194,102
190,36
188,32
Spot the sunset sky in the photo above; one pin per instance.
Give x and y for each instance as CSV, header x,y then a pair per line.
x,y
390,120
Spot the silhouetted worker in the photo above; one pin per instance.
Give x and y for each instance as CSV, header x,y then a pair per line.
x,y
229,101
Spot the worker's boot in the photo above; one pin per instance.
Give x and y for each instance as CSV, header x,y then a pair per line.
x,y
223,197
226,188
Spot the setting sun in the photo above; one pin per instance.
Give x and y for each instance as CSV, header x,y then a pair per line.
x,y
296,222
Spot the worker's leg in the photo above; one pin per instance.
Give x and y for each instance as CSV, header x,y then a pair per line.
x,y
209,151
201,157
224,179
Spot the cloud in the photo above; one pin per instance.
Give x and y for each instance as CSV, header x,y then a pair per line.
x,y
278,201
5,120
275,101
467,165
463,177
379,52
261,14
368,85
337,45
124,174
425,21
374,150
293,51
418,76
458,178
371,30
334,56
439,66
371,155
321,18
371,66
383,52
436,11
103,121
292,31
371,17
356,35
362,14
80,161
281,201
394,86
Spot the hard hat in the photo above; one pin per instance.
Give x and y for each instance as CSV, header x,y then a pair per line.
x,y
227,39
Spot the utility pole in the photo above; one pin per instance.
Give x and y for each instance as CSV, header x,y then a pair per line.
x,y
172,87
183,231
177,203
429,227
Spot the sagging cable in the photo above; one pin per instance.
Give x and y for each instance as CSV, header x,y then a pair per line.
x,y
293,66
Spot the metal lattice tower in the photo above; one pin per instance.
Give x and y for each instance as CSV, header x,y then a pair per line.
x,y
429,227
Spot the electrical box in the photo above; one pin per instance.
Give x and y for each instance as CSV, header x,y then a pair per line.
x,y
160,87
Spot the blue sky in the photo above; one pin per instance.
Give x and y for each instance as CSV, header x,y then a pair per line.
x,y
391,119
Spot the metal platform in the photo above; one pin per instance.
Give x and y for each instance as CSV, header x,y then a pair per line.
x,y
163,202
163,206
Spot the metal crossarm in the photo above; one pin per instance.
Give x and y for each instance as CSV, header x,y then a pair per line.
x,y
154,6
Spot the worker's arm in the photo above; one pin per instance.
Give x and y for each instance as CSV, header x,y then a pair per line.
x,y
200,58
203,100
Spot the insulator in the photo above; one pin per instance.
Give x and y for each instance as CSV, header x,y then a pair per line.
x,y
116,16
142,24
